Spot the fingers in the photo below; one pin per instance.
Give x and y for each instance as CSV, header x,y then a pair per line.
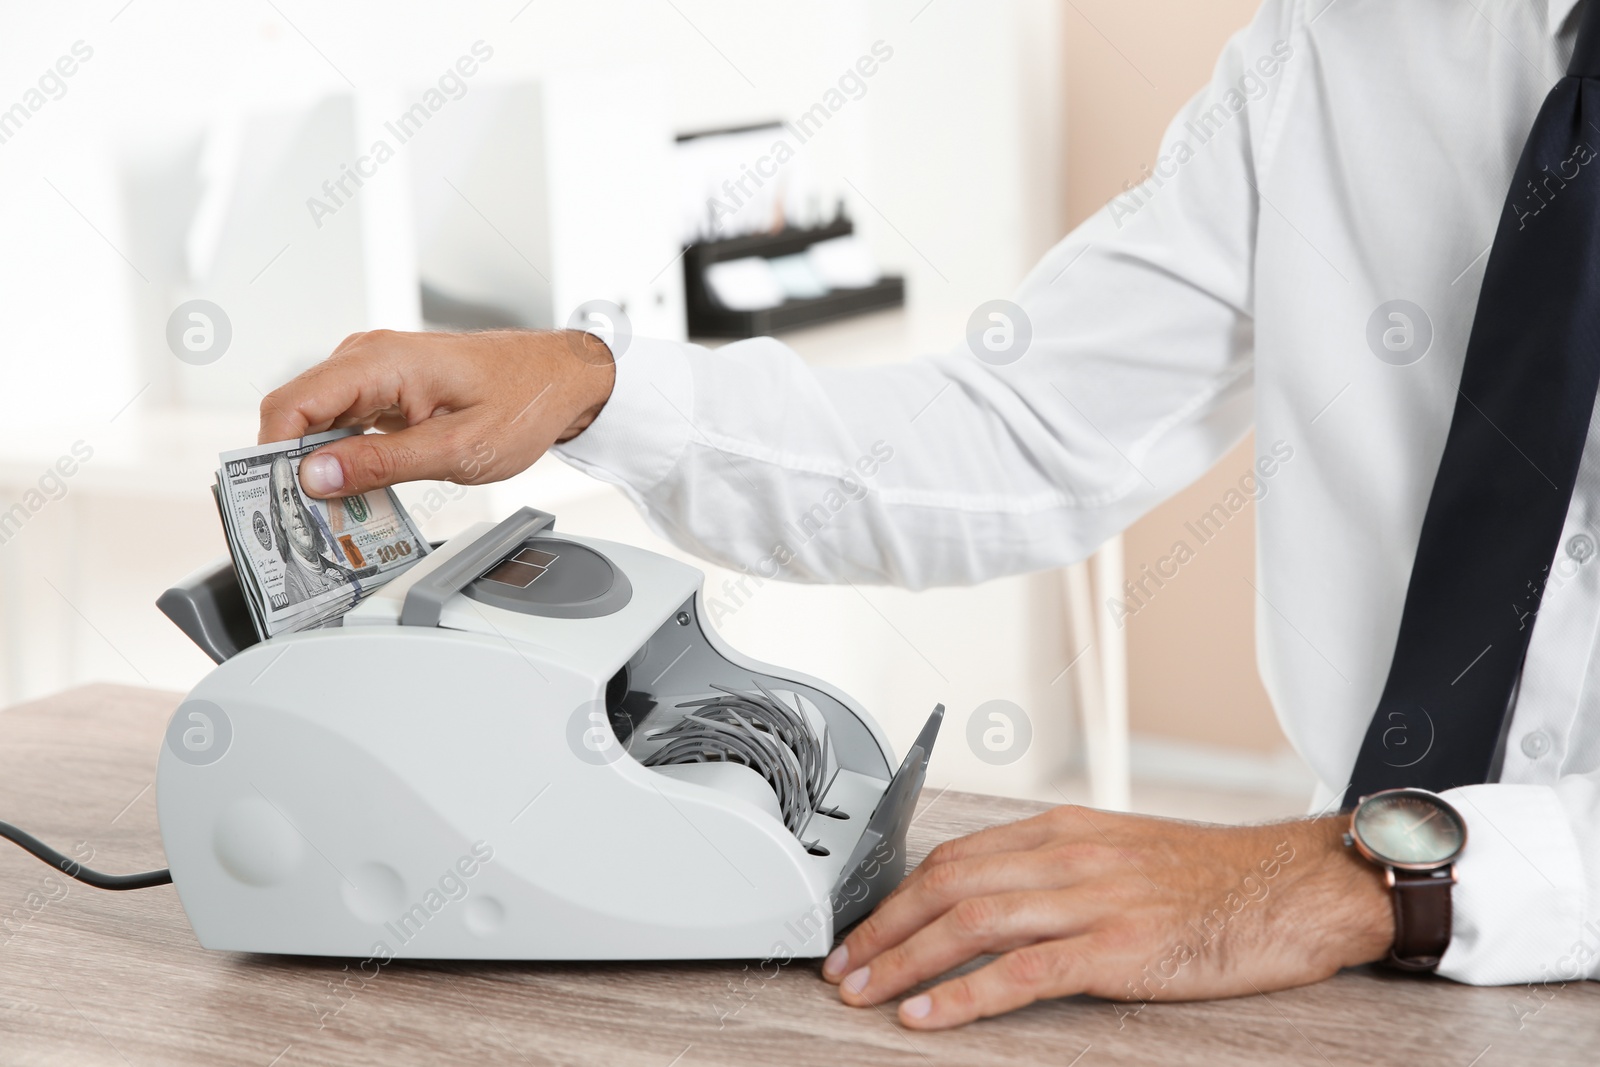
x,y
1010,837
952,887
1064,822
1018,978
462,407
973,927
432,449
368,375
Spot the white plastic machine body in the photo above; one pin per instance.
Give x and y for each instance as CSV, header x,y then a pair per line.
x,y
449,775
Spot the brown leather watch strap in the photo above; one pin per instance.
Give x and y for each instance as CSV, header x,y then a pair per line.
x,y
1422,918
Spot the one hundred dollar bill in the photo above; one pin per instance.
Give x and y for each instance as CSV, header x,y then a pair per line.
x,y
302,562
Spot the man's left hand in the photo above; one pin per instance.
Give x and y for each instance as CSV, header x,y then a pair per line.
x,y
1125,907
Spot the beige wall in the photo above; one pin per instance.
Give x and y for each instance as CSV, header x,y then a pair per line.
x,y
1130,64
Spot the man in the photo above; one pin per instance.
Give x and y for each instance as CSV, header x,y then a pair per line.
x,y
1311,256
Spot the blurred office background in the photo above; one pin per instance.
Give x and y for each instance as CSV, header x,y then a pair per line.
x,y
556,162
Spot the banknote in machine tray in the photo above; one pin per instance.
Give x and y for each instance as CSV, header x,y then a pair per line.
x,y
309,558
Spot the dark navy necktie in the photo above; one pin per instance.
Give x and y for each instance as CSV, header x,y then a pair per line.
x,y
1494,520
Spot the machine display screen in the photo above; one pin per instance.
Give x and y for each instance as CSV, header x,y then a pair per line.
x,y
555,578
522,569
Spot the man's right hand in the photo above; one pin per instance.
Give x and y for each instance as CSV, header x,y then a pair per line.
x,y
458,407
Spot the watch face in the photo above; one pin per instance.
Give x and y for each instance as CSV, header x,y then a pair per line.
x,y
1409,828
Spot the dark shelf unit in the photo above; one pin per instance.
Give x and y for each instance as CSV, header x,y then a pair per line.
x,y
709,318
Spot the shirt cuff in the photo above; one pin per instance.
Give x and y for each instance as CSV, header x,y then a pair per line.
x,y
1518,902
646,423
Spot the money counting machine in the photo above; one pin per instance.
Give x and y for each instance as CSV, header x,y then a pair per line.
x,y
527,746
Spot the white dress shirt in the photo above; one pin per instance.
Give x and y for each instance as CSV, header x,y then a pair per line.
x,y
1347,153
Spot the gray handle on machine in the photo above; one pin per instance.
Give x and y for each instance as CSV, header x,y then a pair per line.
x,y
425,600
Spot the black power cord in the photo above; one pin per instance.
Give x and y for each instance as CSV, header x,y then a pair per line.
x,y
73,869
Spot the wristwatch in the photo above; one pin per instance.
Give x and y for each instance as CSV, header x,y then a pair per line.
x,y
1415,836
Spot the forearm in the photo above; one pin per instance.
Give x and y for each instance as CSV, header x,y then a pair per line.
x,y
1340,899
941,471
1284,904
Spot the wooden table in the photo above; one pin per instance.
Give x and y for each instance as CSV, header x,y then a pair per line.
x,y
90,977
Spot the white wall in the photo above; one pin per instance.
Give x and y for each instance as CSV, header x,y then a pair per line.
x,y
953,142
949,159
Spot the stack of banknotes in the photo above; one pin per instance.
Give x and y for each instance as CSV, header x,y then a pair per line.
x,y
304,562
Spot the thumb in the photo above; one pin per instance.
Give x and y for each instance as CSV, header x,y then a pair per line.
x,y
370,461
